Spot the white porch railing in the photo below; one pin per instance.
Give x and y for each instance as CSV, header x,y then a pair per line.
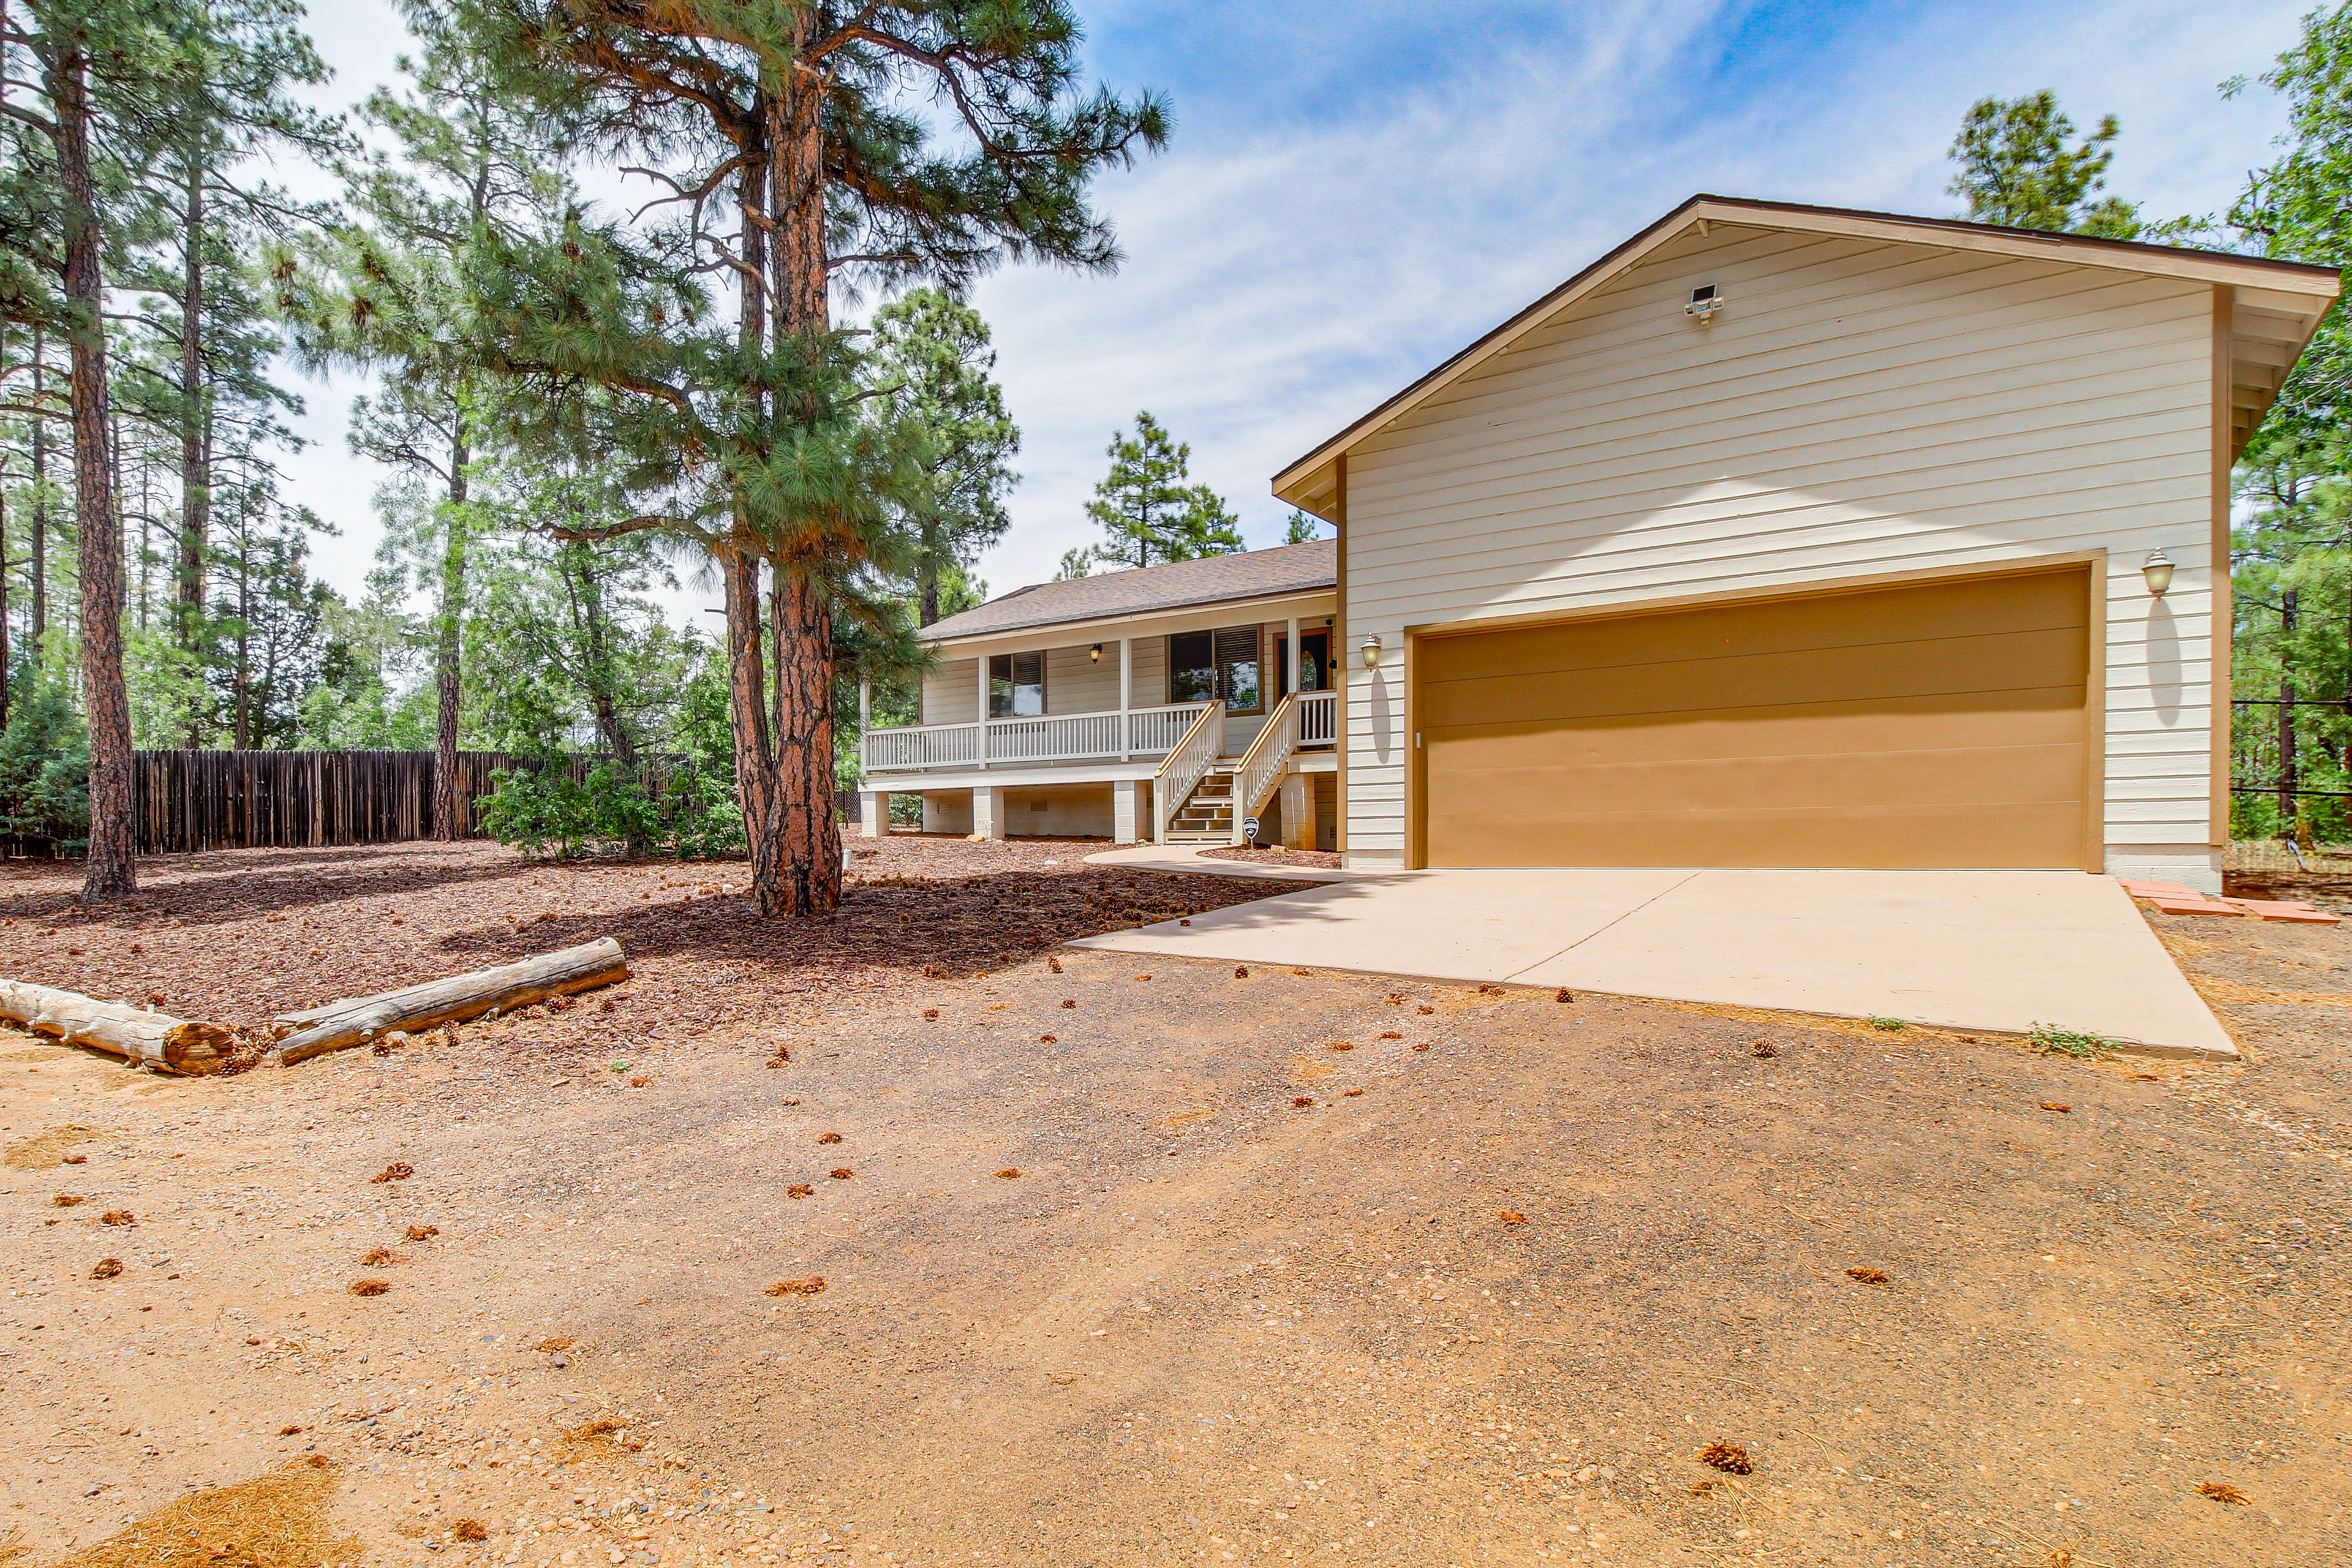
x,y
1318,718
1268,758
1186,766
1028,742
928,746
1154,731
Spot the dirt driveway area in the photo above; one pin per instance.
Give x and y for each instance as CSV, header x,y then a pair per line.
x,y
1106,1265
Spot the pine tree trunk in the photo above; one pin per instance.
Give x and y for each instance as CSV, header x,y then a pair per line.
x,y
40,549
805,761
2290,781
808,856
5,671
577,568
756,782
196,426
927,577
111,869
447,649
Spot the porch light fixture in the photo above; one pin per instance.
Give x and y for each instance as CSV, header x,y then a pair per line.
x,y
1094,653
1371,653
2158,570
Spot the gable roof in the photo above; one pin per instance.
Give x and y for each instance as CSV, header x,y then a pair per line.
x,y
2279,306
1179,584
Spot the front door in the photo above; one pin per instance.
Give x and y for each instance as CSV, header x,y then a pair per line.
x,y
1315,668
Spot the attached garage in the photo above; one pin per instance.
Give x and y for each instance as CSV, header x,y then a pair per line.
x,y
1942,724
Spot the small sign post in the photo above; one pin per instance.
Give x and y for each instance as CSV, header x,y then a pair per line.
x,y
1249,830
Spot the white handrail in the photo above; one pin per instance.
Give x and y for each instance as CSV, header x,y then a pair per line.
x,y
1268,758
1175,780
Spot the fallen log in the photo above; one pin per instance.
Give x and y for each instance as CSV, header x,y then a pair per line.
x,y
359,1019
140,1038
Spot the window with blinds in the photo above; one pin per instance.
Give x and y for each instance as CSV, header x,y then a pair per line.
x,y
1227,663
1016,685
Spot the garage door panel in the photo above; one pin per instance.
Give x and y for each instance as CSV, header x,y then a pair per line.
x,y
2006,776
1921,723
2044,602
1887,838
1977,671
1851,742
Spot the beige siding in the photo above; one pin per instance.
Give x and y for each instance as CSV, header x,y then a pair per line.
x,y
1078,684
951,692
1149,657
1858,409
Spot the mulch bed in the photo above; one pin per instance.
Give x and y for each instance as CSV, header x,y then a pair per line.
x,y
234,937
1317,859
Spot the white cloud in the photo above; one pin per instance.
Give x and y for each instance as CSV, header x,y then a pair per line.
x,y
1353,193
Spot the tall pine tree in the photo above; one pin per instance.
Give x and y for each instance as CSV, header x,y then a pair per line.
x,y
794,142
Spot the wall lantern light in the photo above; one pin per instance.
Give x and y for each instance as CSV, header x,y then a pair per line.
x,y
1094,654
2158,570
1371,653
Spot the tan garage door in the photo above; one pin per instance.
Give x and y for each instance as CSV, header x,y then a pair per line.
x,y
1941,725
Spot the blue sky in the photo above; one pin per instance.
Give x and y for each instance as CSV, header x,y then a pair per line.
x,y
1353,191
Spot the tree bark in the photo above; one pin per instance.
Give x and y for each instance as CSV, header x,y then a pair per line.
x,y
446,650
5,669
811,836
195,421
576,565
756,786
808,857
111,869
140,1038
2290,773
454,1000
926,574
40,551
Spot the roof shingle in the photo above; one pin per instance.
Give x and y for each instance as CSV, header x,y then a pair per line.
x,y
1212,580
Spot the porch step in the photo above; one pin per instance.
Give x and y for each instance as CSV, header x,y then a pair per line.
x,y
1207,814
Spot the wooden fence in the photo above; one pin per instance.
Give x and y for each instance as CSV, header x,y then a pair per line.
x,y
197,800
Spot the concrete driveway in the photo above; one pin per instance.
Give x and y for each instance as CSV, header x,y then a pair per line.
x,y
1973,950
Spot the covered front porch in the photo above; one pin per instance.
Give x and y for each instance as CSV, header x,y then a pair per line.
x,y
1182,722
1175,777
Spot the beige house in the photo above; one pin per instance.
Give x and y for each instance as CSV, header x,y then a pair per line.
x,y
1178,702
1778,536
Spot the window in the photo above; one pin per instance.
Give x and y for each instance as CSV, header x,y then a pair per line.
x,y
1205,666
1016,685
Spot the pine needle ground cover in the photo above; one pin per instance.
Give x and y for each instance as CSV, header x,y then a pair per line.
x,y
1517,1282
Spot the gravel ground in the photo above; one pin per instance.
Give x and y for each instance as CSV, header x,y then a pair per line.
x,y
1321,858
1163,1276
234,937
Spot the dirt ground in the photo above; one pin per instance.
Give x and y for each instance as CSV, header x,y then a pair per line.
x,y
1136,1266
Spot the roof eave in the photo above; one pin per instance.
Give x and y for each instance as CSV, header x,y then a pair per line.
x,y
1273,597
1310,482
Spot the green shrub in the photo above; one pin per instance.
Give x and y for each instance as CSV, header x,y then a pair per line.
x,y
45,770
704,820
611,812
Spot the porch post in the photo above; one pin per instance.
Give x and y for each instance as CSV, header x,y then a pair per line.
x,y
1298,811
1292,684
987,811
865,705
979,662
1126,701
873,807
1124,799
